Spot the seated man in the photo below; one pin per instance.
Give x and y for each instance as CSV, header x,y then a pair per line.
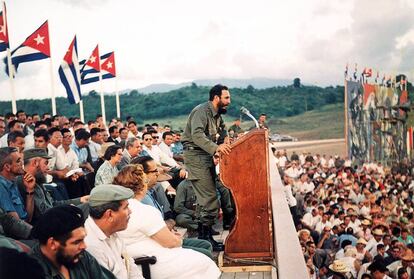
x,y
109,214
36,164
132,149
11,165
185,205
61,248
16,139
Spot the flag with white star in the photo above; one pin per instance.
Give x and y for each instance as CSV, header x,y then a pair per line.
x,y
4,36
69,73
91,68
108,65
35,47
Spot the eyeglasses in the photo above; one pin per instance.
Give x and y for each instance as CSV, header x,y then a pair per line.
x,y
155,137
147,139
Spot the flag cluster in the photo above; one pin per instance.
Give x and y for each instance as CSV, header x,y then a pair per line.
x,y
72,73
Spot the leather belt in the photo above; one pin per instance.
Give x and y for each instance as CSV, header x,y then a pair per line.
x,y
192,148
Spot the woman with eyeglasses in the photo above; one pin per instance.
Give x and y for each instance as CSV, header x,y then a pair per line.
x,y
108,170
148,235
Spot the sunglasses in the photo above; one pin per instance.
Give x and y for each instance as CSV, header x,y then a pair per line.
x,y
147,139
155,137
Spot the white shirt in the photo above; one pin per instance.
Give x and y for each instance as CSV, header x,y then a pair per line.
x,y
372,246
320,226
160,157
166,149
70,158
110,252
289,196
95,148
144,222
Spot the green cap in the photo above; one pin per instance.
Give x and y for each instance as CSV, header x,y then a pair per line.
x,y
107,193
35,152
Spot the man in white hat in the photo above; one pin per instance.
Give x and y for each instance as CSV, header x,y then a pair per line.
x,y
373,242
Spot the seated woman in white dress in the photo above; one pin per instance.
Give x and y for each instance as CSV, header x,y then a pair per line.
x,y
148,235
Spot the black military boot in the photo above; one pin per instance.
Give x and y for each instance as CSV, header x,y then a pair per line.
x,y
227,220
204,232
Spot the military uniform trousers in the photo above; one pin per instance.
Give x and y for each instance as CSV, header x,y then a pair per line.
x,y
202,174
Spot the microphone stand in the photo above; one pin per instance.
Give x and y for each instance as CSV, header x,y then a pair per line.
x,y
247,112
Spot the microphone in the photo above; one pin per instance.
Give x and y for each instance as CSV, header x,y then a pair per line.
x,y
247,112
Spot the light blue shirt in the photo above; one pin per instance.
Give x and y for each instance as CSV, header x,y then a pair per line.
x,y
10,198
82,153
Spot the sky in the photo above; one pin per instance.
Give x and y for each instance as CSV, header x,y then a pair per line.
x,y
173,41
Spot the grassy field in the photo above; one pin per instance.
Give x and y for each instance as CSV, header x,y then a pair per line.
x,y
325,123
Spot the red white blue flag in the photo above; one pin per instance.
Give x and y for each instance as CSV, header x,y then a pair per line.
x,y
91,68
4,36
35,47
69,73
108,65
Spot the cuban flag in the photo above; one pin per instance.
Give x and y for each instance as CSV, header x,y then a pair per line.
x,y
4,36
35,47
108,65
69,73
91,68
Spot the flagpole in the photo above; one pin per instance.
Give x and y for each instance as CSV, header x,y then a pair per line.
x,y
52,81
102,98
11,75
118,107
346,118
82,116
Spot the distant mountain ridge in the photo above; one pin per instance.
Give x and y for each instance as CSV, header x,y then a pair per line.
x,y
258,83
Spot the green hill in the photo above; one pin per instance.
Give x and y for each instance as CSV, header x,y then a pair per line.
x,y
276,102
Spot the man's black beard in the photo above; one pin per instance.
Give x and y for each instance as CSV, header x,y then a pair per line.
x,y
66,260
222,110
40,178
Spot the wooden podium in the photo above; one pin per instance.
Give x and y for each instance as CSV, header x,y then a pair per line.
x,y
245,172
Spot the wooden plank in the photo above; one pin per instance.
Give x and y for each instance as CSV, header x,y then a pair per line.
x,y
242,275
267,275
251,268
227,275
256,275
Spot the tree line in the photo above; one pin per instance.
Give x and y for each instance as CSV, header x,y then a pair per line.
x,y
276,102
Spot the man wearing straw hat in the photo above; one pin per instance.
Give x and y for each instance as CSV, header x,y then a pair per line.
x,y
339,269
373,242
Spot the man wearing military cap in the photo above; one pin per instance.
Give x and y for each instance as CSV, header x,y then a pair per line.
x,y
109,214
36,164
203,137
61,248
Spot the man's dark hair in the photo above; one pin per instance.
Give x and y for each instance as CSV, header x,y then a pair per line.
x,y
112,129
19,112
147,133
97,212
167,126
154,124
165,134
12,123
78,123
98,116
53,130
133,122
82,134
120,130
345,243
111,151
35,114
38,123
90,122
216,90
9,114
95,131
263,114
5,158
12,136
142,161
42,133
65,130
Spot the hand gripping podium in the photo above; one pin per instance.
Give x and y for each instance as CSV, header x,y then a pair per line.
x,y
245,171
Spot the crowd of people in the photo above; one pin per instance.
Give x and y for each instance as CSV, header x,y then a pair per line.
x,y
84,200
353,221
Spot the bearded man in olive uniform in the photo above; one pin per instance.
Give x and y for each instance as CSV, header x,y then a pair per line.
x,y
203,136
